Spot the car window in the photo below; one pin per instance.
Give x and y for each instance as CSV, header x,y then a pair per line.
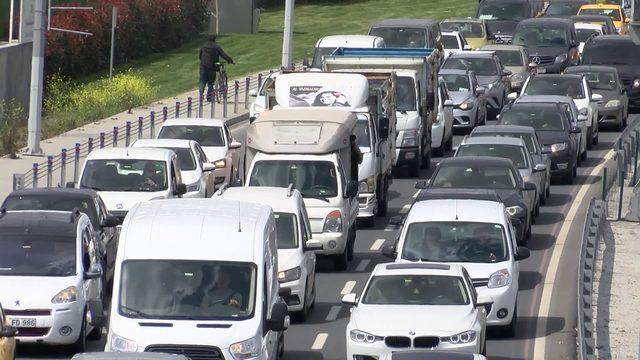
x,y
614,14
602,80
201,155
185,158
450,42
287,230
401,37
504,11
472,289
626,53
416,290
466,29
203,135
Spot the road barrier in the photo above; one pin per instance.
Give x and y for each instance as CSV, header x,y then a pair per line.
x,y
623,176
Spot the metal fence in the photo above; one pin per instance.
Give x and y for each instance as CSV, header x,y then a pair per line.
x,y
622,176
62,168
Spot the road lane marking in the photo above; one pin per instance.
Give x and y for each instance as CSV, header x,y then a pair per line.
x,y
318,344
363,265
377,244
348,287
416,194
390,228
333,313
539,347
405,209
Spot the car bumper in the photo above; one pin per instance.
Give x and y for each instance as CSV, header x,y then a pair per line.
x,y
608,115
295,301
504,299
332,243
367,205
465,118
50,328
562,163
406,156
357,351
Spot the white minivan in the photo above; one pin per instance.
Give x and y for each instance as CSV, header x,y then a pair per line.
x,y
198,277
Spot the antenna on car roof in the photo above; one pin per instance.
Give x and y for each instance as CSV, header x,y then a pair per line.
x,y
239,220
290,190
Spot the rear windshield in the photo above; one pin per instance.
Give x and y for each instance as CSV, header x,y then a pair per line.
x,y
626,53
504,11
55,203
416,290
614,14
514,153
401,37
561,86
541,120
585,34
204,135
562,9
29,255
466,29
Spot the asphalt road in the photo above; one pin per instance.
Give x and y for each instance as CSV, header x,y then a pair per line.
x,y
322,336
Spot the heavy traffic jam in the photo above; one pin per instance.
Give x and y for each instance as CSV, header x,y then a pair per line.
x,y
205,246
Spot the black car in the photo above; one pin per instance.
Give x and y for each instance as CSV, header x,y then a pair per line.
x,y
620,52
502,16
606,81
604,20
491,173
564,8
404,33
65,199
552,43
559,138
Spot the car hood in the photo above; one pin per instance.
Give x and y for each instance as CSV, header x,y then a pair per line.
x,y
458,97
124,200
385,320
552,137
546,50
486,80
502,27
215,153
32,292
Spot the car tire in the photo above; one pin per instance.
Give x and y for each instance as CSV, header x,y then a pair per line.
x,y
509,331
351,242
281,346
569,177
583,157
590,141
80,345
547,194
538,208
302,315
623,120
383,204
95,334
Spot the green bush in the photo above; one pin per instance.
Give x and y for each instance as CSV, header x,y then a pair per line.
x,y
13,121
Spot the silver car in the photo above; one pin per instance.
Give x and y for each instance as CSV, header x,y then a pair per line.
x,y
530,138
469,101
514,58
515,150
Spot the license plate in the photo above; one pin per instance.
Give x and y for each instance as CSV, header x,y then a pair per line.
x,y
541,70
24,322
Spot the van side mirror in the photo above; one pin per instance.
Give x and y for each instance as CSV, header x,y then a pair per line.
x,y
390,251
575,130
512,96
279,319
448,102
180,189
110,221
384,127
467,47
235,145
597,98
8,332
506,72
540,168
484,301
480,90
93,273
350,299
208,167
522,253
352,189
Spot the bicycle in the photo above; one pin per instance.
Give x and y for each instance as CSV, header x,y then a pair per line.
x,y
221,85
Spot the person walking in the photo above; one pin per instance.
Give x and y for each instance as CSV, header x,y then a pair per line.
x,y
210,54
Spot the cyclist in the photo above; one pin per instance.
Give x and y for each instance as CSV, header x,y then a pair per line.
x,y
210,54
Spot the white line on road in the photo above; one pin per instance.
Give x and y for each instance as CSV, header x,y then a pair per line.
x,y
333,313
363,265
416,194
405,209
318,344
377,245
348,287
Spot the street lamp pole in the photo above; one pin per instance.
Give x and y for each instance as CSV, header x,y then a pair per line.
x,y
37,74
287,43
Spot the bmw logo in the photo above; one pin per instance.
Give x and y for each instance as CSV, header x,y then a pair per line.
x,y
411,332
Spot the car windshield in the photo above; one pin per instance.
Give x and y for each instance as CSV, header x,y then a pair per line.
x,y
561,86
539,119
363,136
187,289
125,175
405,94
562,9
450,42
585,34
546,36
474,177
627,53
510,57
481,66
37,255
402,37
504,11
614,14
466,29
602,80
311,178
512,152
455,242
286,230
456,82
185,158
203,135
318,54
416,290
55,203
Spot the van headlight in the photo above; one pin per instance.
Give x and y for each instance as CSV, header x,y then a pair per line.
x,y
289,275
367,185
461,338
246,349
410,138
364,337
65,296
333,222
560,58
118,343
499,279
514,210
193,187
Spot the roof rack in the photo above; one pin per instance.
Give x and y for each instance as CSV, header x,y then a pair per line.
x,y
290,190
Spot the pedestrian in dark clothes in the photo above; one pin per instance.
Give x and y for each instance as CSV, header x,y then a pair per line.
x,y
210,54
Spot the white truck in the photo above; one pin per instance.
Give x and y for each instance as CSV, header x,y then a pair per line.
x,y
313,150
415,96
326,45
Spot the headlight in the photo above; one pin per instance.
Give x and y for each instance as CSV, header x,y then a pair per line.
x,y
247,349
222,163
514,210
612,103
289,275
410,138
636,83
559,147
193,187
462,338
499,279
333,222
65,296
118,343
560,58
466,105
367,185
364,337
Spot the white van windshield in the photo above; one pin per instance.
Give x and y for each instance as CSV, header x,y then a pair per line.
x,y
125,175
31,255
187,289
311,178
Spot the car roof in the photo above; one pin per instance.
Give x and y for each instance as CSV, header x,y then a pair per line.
x,y
405,22
545,21
476,160
453,72
489,140
280,199
193,121
472,54
57,192
587,25
503,129
40,222
463,210
496,47
601,6
163,143
610,38
458,194
203,229
604,18
588,68
543,99
131,153
417,268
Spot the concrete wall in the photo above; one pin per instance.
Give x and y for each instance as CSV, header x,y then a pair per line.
x,y
236,16
15,73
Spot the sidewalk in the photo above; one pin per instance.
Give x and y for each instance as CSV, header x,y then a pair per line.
x,y
68,140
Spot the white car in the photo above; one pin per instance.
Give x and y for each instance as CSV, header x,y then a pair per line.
x,y
406,306
442,128
453,41
585,32
215,138
426,355
470,228
51,277
296,255
194,165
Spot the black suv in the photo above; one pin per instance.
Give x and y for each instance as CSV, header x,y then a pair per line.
x,y
502,16
552,43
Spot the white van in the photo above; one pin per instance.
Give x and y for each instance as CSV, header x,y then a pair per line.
x,y
328,44
126,176
296,256
198,277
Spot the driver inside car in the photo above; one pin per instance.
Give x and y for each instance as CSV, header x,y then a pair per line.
x,y
484,245
221,293
148,176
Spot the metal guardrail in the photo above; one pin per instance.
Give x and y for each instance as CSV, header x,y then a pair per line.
x,y
588,253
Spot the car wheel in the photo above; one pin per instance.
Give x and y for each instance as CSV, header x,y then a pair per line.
x,y
623,120
95,334
414,169
80,345
382,200
301,316
590,141
596,139
547,194
537,208
583,157
351,243
281,346
509,330
312,302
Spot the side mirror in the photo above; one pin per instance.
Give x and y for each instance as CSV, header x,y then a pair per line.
x,y
467,47
389,251
484,301
208,167
70,185
512,96
515,222
448,102
627,20
253,93
583,111
352,189
305,62
278,321
397,220
180,189
422,184
540,168
597,98
507,72
235,145
110,221
350,299
575,130
480,90
522,253
8,332
529,186
97,317
384,127
312,245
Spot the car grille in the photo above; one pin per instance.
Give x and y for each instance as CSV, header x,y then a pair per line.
x,y
463,120
397,341
193,352
544,60
33,332
480,282
426,342
33,312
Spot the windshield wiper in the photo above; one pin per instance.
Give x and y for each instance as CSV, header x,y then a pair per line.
x,y
135,312
316,197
